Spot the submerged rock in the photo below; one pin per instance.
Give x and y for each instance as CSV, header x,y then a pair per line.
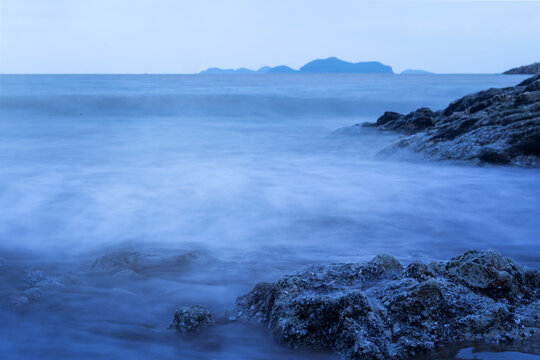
x,y
379,310
497,126
191,319
133,262
36,283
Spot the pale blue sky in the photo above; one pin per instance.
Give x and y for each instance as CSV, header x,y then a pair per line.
x,y
178,36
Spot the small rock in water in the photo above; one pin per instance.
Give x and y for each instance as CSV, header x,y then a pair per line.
x,y
378,310
191,319
122,263
37,283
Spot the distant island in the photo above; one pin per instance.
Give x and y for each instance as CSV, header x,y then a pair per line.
x,y
334,65
331,65
526,69
282,69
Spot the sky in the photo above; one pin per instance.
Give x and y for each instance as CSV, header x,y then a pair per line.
x,y
181,36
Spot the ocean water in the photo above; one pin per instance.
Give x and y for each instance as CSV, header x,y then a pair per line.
x,y
201,186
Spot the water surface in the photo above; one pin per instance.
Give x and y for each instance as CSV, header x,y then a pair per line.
x,y
238,172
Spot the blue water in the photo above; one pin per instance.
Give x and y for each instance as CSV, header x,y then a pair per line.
x,y
240,168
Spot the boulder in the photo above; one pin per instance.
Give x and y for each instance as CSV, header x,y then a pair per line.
x,y
411,123
192,319
381,310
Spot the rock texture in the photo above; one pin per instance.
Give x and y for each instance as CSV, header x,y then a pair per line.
x,y
191,319
381,310
526,69
497,126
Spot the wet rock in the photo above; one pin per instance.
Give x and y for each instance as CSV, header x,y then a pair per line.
x,y
36,283
118,261
380,310
192,319
411,123
122,263
419,271
491,274
495,126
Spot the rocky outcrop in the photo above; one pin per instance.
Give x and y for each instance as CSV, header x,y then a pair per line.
x,y
497,126
526,69
192,319
381,310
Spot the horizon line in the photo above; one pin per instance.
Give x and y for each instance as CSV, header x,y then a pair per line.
x,y
246,74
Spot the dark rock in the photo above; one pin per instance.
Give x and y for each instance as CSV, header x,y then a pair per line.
x,y
526,69
378,310
389,117
419,271
496,126
489,273
411,123
192,319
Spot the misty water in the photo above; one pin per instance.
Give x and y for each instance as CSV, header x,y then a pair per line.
x,y
127,196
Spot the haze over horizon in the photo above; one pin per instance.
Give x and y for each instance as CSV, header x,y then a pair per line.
x,y
166,36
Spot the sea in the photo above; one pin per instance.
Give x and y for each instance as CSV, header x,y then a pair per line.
x,y
123,197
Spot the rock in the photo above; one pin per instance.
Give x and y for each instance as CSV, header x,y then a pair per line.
x,y
491,274
36,283
192,319
379,310
117,261
389,117
411,123
419,271
133,263
495,126
526,69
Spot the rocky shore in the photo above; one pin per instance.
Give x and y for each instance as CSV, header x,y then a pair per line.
x,y
496,126
382,310
526,69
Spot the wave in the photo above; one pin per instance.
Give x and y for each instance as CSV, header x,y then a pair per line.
x,y
195,105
